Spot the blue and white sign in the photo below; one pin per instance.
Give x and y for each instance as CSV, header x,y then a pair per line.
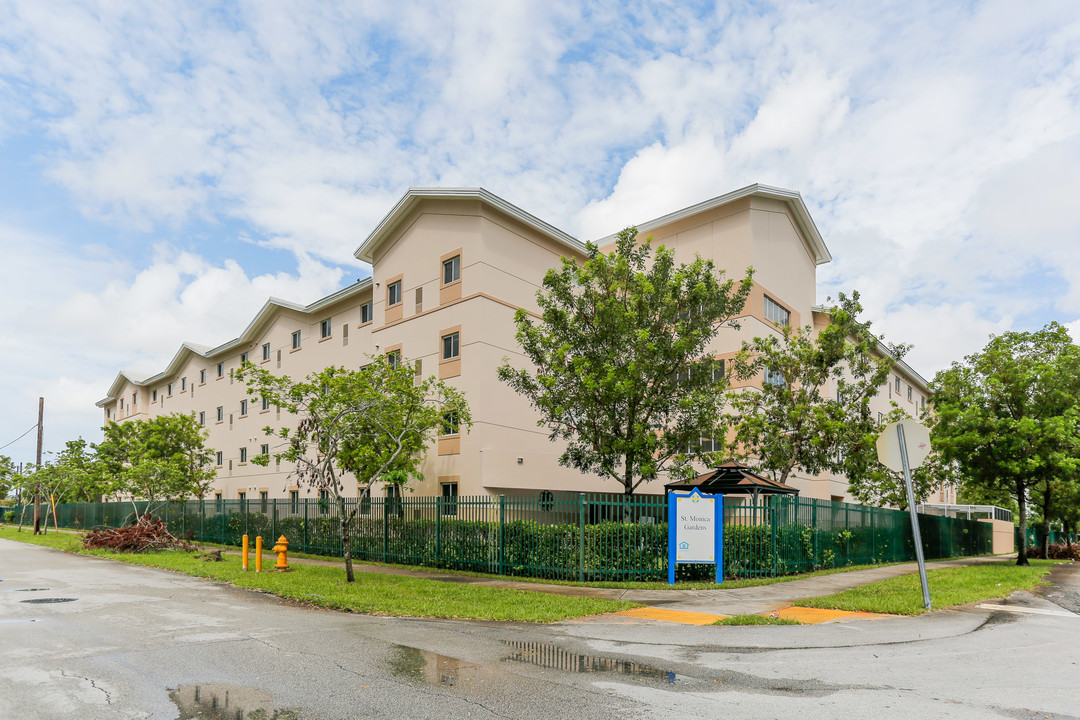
x,y
695,531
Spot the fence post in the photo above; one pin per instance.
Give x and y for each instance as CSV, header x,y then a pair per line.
x,y
385,533
305,525
813,523
202,520
502,532
273,521
438,529
581,539
774,502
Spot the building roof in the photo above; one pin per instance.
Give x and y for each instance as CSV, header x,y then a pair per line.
x,y
269,310
734,478
792,198
414,196
888,352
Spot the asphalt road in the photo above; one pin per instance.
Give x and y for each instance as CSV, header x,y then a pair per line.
x,y
132,642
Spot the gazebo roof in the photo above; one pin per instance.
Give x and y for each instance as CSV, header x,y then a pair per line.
x,y
733,478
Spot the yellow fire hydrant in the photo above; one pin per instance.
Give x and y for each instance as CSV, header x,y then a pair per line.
x,y
282,550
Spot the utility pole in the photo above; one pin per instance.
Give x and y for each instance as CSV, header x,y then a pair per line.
x,y
37,485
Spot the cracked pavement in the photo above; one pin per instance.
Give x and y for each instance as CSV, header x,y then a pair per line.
x,y
144,643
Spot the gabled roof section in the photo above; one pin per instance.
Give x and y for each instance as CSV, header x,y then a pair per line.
x,y
414,196
886,350
269,311
803,221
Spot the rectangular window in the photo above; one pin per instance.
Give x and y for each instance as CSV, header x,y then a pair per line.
x,y
393,358
345,333
266,351
325,328
221,369
365,501
450,423
220,458
775,312
294,501
264,449
263,497
202,376
909,393
449,496
393,293
202,418
183,384
168,389
153,396
880,418
366,313
773,377
419,299
296,340
121,403
897,383
243,358
265,404
243,455
451,270
243,407
134,398
450,346
241,495
220,413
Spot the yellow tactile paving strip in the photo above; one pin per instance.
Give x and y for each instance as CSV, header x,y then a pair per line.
x,y
679,616
814,616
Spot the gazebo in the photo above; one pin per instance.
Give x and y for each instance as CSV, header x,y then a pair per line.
x,y
734,478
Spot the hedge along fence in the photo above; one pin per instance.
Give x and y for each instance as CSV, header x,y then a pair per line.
x,y
564,536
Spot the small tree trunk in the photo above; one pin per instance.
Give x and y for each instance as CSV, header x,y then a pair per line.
x,y
1044,546
628,475
1021,502
346,539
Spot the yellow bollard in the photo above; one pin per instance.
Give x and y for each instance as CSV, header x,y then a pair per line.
x,y
258,553
282,550
246,549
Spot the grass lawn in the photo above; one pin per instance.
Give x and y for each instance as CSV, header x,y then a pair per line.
x,y
948,587
755,620
374,594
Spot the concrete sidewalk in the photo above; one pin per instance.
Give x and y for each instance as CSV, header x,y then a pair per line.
x,y
737,601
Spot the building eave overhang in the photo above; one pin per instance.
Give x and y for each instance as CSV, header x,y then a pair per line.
x,y
269,310
792,198
414,196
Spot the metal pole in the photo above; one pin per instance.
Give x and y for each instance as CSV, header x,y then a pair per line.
x,y
914,518
37,468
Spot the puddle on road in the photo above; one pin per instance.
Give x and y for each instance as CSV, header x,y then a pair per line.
x,y
554,657
46,601
431,668
228,702
435,669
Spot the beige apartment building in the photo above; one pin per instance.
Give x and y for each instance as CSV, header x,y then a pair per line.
x,y
450,267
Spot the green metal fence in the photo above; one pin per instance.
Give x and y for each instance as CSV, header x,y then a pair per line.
x,y
1035,536
566,536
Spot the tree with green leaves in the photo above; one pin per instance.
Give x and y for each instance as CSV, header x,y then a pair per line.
x,y
157,460
620,368
7,475
792,422
374,423
1008,415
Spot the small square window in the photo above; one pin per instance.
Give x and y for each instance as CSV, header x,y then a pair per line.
x,y
243,454
243,407
393,293
366,313
202,418
266,351
325,328
451,424
264,449
241,495
220,413
202,376
451,270
393,358
296,340
450,346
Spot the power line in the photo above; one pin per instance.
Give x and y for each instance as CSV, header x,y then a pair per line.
x,y
32,428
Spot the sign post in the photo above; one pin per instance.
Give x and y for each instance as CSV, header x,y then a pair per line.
x,y
901,449
695,531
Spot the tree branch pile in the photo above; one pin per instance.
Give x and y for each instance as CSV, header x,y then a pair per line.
x,y
145,535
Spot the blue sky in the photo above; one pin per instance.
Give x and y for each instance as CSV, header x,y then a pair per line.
x,y
166,167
